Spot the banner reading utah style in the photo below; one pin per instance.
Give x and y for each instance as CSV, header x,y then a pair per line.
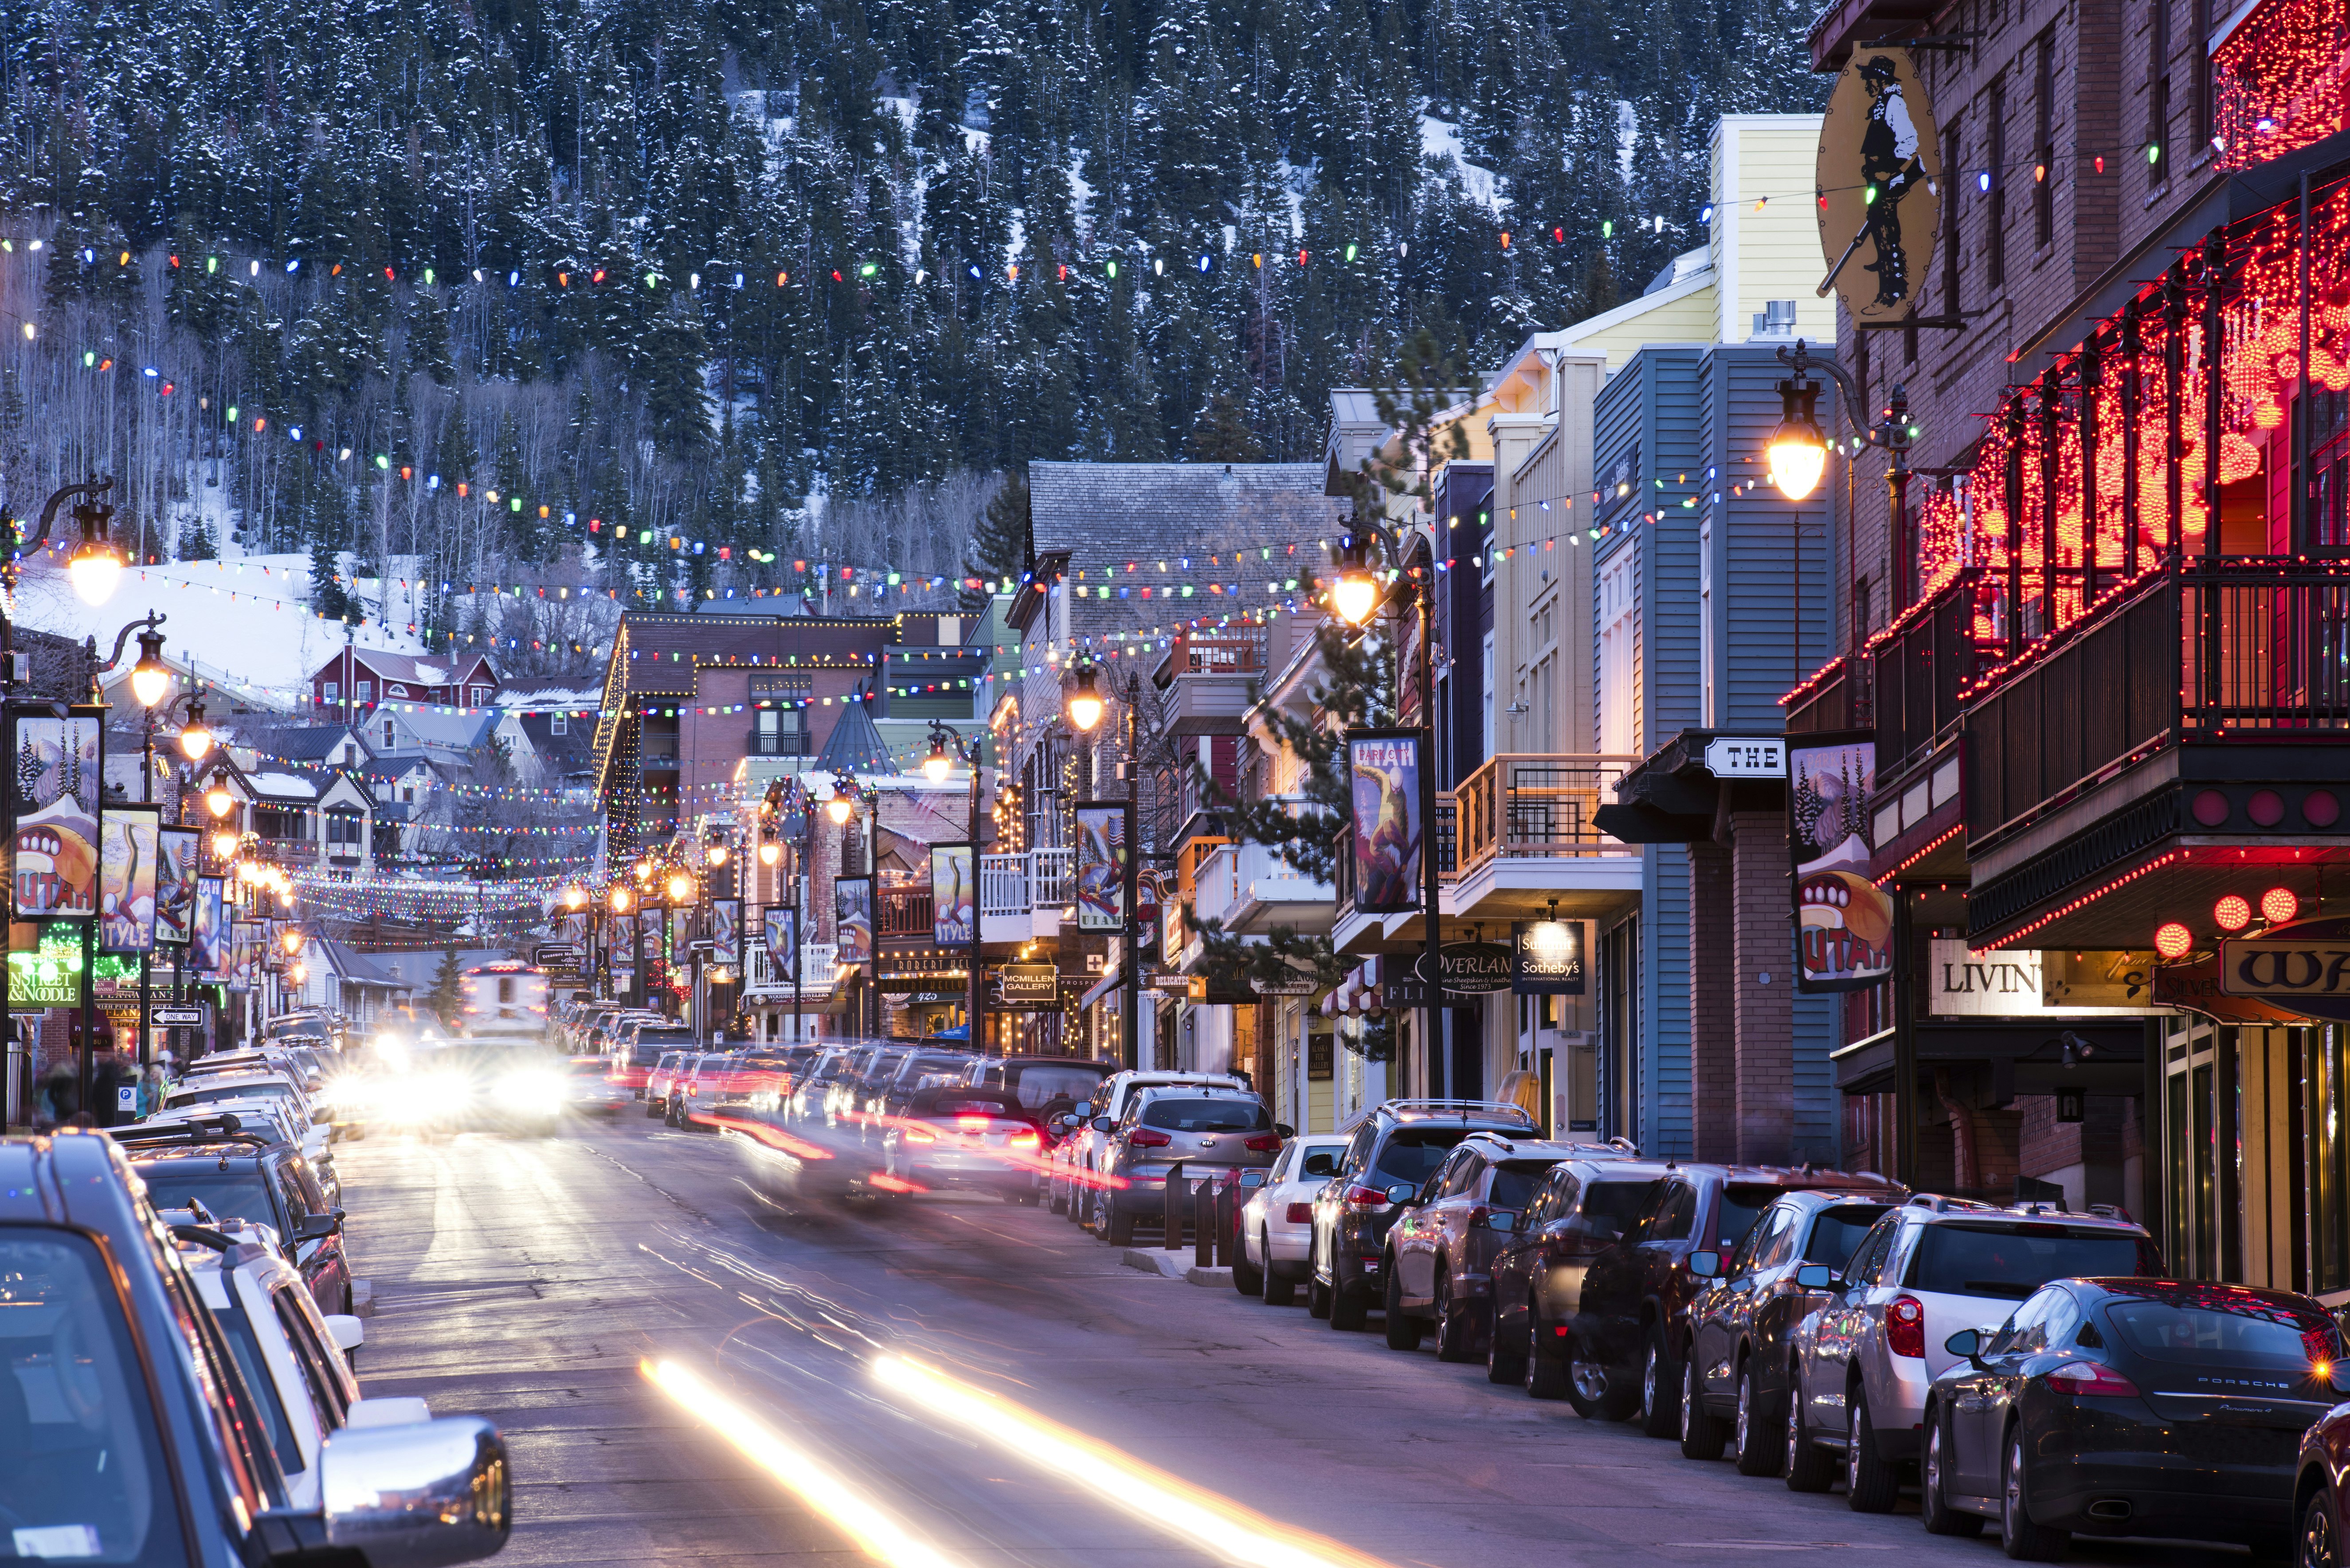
x,y
1844,921
1102,840
852,914
954,895
726,932
1388,837
57,766
175,884
208,931
783,941
126,878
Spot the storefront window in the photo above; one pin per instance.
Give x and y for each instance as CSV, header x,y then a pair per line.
x,y
2329,1159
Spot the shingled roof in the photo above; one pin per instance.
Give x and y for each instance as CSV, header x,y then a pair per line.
x,y
856,745
1192,516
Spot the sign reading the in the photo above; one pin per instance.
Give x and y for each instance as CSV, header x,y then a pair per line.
x,y
1735,757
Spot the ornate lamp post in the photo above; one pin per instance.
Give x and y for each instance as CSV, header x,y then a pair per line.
x,y
947,748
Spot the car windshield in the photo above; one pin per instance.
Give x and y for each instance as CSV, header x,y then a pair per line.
x,y
1837,1232
1739,1207
1038,1084
81,1474
643,1056
1206,1115
1514,1182
912,1069
271,1089
2013,1261
2229,1327
225,1194
1412,1154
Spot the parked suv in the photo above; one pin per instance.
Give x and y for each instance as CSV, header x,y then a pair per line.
x,y
1393,1149
665,1079
158,1452
1742,1322
1194,1126
1862,1363
1441,1250
1577,1210
1631,1328
1077,1159
252,1176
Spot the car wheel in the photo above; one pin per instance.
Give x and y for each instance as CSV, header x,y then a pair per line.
x,y
1403,1329
2319,1545
1755,1435
1318,1299
1808,1466
1280,1289
1060,1201
1661,1383
1247,1278
1871,1484
1934,1488
1506,1363
2018,1536
1118,1231
1701,1433
1456,1326
1545,1375
652,1109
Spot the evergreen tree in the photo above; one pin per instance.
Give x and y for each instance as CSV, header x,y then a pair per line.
x,y
998,545
329,596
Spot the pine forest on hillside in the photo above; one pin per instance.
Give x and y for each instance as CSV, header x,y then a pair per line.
x,y
679,266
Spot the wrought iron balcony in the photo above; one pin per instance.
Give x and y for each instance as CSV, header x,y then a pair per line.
x,y
1537,805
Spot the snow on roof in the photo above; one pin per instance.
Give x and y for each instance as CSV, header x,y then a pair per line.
x,y
284,784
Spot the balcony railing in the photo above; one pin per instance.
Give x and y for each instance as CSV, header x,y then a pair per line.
x,y
1539,805
904,912
1034,879
1924,663
761,973
1224,655
776,742
2244,649
1237,880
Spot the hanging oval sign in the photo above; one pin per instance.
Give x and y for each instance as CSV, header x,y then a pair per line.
x,y
2302,968
1881,190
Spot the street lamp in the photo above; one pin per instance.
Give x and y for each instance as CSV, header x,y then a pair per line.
x,y
1356,594
842,805
195,736
150,677
1084,705
618,899
680,885
1798,451
947,747
575,897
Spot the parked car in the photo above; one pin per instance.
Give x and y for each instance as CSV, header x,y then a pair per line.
x,y
254,1178
1197,1126
636,1053
914,1069
1863,1361
1039,1082
700,1084
1742,1322
295,1360
2112,1406
661,1082
1392,1149
1078,1162
813,1087
158,1452
1441,1250
955,1135
1277,1220
1631,1326
1577,1210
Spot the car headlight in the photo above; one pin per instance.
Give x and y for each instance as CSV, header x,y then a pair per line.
x,y
532,1091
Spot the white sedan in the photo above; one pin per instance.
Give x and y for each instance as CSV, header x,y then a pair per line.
x,y
1277,1221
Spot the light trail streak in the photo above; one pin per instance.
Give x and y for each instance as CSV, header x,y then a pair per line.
x,y
870,1527
1191,1514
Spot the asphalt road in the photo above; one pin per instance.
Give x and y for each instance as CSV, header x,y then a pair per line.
x,y
951,1382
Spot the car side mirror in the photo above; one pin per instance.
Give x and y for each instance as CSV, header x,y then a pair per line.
x,y
1504,1221
348,1332
1403,1192
423,1495
317,1227
1968,1343
1283,1129
1102,1123
320,1115
1815,1277
1705,1265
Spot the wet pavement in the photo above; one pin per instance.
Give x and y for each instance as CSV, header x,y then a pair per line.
x,y
686,1370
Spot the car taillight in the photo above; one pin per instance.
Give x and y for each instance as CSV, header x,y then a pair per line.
x,y
916,1135
1025,1136
1366,1198
1265,1143
1301,1214
1143,1138
2089,1377
1905,1328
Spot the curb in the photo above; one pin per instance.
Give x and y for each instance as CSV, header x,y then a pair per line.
x,y
1214,1278
1150,1261
362,1298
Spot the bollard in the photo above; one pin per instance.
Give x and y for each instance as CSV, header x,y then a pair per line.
x,y
1177,1199
1203,1223
1228,1222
